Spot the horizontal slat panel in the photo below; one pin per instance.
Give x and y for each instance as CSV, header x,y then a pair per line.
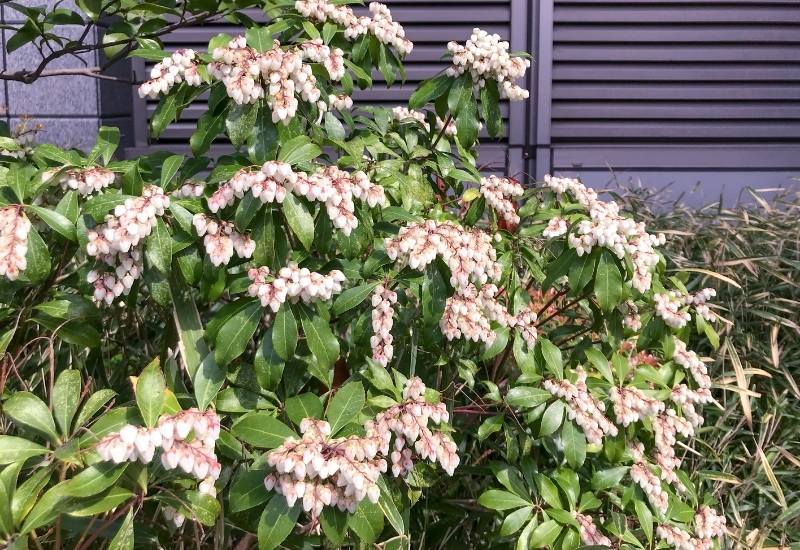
x,y
672,156
661,130
636,13
433,32
676,72
676,52
674,33
677,91
677,3
667,110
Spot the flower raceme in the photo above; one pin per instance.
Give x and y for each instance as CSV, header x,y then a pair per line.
x,y
499,194
83,180
186,439
14,229
221,239
117,243
179,67
328,471
381,24
293,283
383,301
607,228
484,56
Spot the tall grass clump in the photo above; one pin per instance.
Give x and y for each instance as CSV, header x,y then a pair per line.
x,y
751,254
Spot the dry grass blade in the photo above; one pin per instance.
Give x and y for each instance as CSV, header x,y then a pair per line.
x,y
771,477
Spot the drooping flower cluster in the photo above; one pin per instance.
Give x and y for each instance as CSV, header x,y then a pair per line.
x,y
486,57
632,405
469,312
708,525
673,306
499,194
404,114
340,102
381,24
587,411
630,316
326,471
555,228
687,398
609,229
383,301
268,184
690,361
221,239
190,190
642,474
330,185
337,189
276,75
293,283
179,67
14,229
467,252
186,440
666,427
117,242
590,534
84,180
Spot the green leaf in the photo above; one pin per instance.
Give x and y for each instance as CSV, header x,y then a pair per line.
x,y
27,492
429,90
263,139
367,522
645,517
526,396
545,534
38,259
191,344
320,339
93,480
240,122
150,390
551,419
57,222
599,361
92,405
284,333
259,38
467,123
460,92
298,150
14,449
548,491
334,525
276,522
515,520
574,442
165,113
299,220
261,430
352,297
552,357
29,412
106,144
608,282
237,332
605,479
333,127
581,271
495,499
209,127
203,508
123,540
491,425
158,249
490,102
300,407
99,205
66,397
68,206
169,168
389,508
247,491
345,406
207,381
268,364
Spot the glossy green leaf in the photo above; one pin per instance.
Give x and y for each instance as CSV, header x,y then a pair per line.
x,y
277,522
320,339
345,406
150,387
30,413
261,430
284,333
299,219
66,398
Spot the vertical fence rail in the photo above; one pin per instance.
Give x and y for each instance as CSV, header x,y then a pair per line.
x,y
539,150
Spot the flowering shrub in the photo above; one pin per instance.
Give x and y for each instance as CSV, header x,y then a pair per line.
x,y
351,346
